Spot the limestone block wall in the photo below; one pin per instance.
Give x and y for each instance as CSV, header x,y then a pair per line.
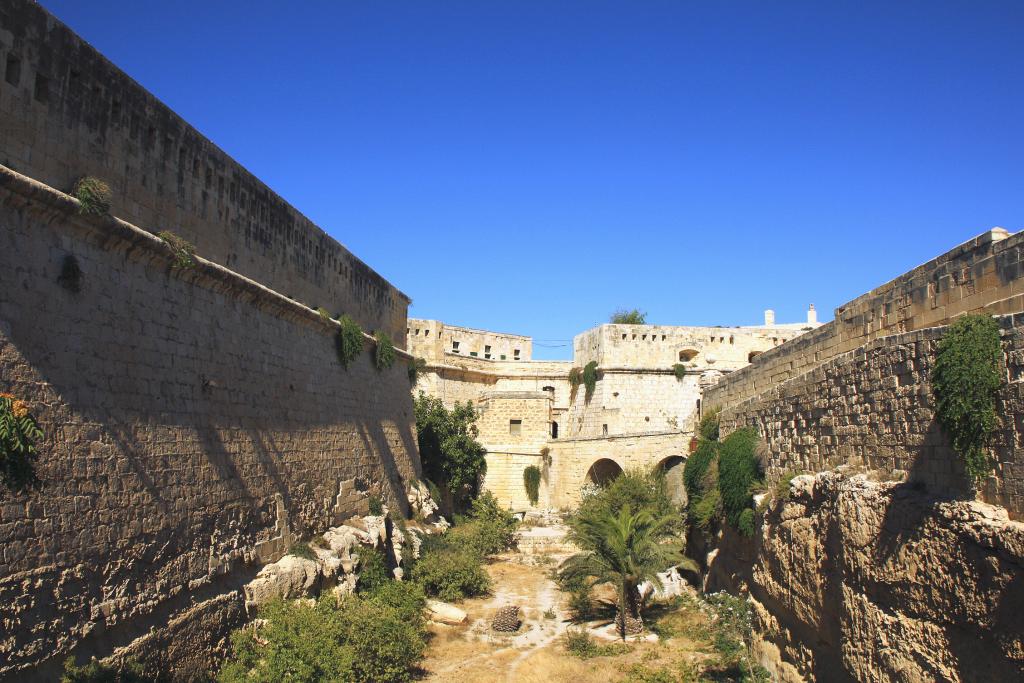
x,y
874,408
504,479
627,401
68,112
498,409
195,423
983,274
432,339
662,346
571,459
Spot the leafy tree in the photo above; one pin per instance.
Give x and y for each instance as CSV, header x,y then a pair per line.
x,y
638,489
965,381
19,432
449,451
633,316
623,549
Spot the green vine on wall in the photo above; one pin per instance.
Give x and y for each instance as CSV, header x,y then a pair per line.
x,y
679,370
590,379
183,250
531,482
93,196
384,356
18,434
965,380
349,342
575,379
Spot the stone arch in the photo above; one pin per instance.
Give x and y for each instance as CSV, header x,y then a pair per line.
x,y
672,468
603,471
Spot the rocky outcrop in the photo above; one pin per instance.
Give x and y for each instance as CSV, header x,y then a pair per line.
x,y
861,581
443,613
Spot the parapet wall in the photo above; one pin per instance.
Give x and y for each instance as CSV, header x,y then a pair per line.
x,y
67,112
873,408
981,275
195,423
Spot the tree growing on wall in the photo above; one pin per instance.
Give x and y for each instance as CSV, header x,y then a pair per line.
x,y
18,435
451,455
965,381
632,316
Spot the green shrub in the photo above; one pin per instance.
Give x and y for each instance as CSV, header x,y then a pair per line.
x,y
738,471
373,570
349,341
782,486
358,640
679,370
575,380
590,379
302,550
639,489
745,524
624,316
384,356
451,574
578,642
96,672
416,366
965,380
707,508
93,196
183,250
405,597
531,482
697,465
707,428
376,505
324,315
19,432
488,529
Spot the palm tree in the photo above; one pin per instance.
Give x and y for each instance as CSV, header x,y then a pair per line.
x,y
624,549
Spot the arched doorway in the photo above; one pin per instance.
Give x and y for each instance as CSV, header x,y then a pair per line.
x,y
672,468
603,472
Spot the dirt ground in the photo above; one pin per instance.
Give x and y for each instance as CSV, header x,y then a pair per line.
x,y
536,654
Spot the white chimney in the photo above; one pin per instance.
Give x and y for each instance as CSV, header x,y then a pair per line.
x,y
812,316
769,317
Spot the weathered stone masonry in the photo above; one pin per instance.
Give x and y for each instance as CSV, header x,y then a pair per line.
x,y
67,111
196,421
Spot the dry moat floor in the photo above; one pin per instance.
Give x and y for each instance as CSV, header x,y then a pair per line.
x,y
538,652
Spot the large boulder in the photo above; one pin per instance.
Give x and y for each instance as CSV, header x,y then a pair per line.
x,y
289,578
443,613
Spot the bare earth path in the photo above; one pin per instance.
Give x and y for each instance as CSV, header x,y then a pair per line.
x,y
473,653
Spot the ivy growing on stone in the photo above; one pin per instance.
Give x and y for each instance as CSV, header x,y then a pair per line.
x,y
738,471
590,378
384,356
19,432
679,370
93,196
531,482
575,379
183,250
965,380
349,342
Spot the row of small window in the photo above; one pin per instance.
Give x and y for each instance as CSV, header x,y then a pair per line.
x,y
487,352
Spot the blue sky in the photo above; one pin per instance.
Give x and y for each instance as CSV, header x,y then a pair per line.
x,y
530,166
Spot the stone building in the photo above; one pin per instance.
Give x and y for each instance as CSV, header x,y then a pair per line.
x,y
642,412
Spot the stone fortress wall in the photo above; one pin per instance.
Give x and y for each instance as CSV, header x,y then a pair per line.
x,y
870,405
196,420
640,414
67,112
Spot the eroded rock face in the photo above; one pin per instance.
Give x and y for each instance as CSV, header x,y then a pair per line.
x,y
860,581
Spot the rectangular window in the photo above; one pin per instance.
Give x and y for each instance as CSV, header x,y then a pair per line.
x,y
515,427
604,430
487,351
503,356
455,347
13,71
515,354
473,353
